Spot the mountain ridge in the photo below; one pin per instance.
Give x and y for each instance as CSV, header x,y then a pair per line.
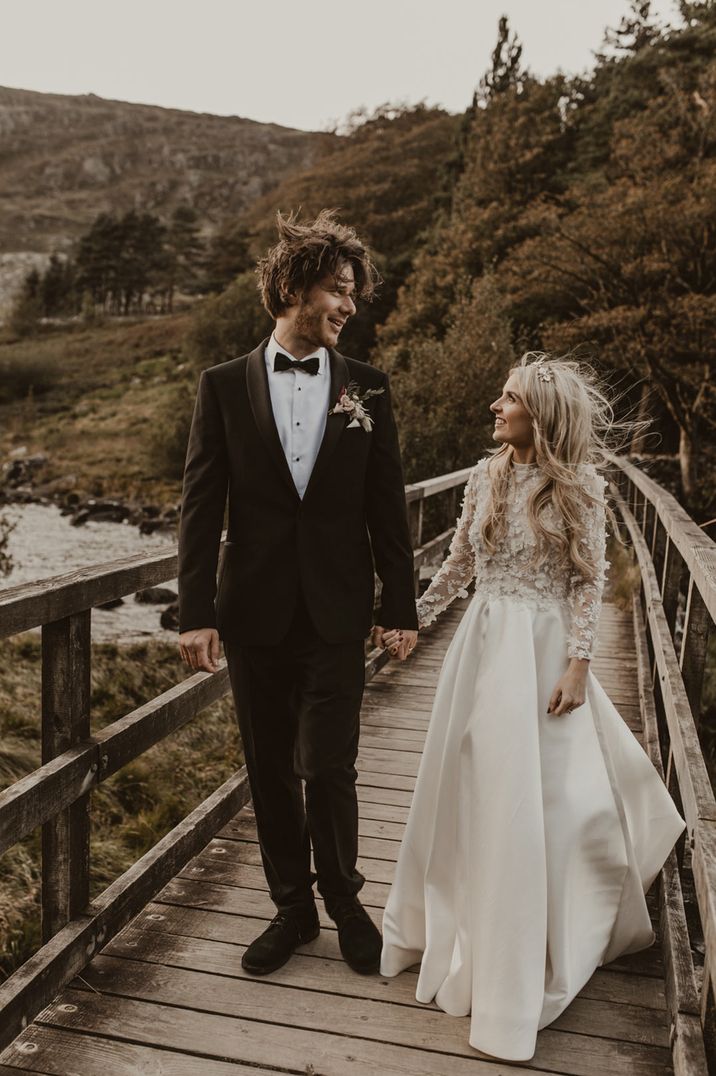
x,y
66,158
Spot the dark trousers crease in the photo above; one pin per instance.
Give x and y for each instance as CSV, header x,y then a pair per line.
x,y
298,706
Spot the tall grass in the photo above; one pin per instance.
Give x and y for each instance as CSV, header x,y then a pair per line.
x,y
134,808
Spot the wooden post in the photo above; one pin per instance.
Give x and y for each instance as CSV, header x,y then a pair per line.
x,y
658,547
694,642
650,519
65,721
671,583
415,520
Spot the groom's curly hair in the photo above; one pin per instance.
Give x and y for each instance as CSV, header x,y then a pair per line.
x,y
306,253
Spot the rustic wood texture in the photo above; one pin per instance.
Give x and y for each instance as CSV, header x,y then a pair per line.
x,y
65,722
689,1056
168,994
63,779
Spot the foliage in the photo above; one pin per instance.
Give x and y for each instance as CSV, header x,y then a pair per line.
x,y
6,529
133,809
96,392
229,324
589,203
443,394
25,373
170,432
387,176
26,309
122,264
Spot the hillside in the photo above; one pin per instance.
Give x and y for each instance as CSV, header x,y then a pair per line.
x,y
64,159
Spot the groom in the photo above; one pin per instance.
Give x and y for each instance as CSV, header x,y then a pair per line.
x,y
303,441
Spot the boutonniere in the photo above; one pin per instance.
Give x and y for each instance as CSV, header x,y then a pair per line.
x,y
350,402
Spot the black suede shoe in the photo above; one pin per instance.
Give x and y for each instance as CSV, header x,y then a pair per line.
x,y
283,935
358,937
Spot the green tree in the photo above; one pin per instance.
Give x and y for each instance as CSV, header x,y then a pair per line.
x,y
26,309
185,251
57,290
229,324
443,401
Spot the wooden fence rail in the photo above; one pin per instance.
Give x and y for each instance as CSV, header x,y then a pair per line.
x,y
673,615
56,795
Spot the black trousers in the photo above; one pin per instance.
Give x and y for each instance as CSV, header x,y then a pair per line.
x,y
298,706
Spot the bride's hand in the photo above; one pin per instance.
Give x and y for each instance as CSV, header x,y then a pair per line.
x,y
400,642
570,690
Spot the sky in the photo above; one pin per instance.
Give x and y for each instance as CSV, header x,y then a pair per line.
x,y
300,63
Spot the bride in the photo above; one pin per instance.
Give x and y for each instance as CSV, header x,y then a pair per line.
x,y
537,822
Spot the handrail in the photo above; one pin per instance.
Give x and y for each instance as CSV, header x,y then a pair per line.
x,y
56,795
673,616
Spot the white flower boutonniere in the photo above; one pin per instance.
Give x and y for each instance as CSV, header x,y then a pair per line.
x,y
350,402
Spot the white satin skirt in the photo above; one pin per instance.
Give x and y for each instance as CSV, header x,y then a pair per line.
x,y
531,838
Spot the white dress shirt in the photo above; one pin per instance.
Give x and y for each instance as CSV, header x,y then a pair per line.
x,y
300,405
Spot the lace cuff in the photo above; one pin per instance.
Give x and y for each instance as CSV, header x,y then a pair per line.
x,y
458,568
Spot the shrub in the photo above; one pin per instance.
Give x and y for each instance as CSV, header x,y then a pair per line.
x,y
229,324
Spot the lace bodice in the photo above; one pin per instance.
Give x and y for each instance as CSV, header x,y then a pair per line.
x,y
510,573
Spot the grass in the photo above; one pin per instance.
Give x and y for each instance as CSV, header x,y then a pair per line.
x,y
105,393
134,808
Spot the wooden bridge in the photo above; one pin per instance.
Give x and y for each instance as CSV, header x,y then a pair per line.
x,y
147,977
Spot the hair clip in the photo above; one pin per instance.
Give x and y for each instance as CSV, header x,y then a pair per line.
x,y
542,372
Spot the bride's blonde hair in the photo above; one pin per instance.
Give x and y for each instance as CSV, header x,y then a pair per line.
x,y
572,424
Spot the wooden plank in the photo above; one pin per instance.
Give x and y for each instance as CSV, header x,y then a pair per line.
x,y
237,1039
680,983
432,486
694,783
377,868
393,743
377,793
24,993
385,781
697,550
243,827
377,760
694,644
364,1019
373,856
249,876
65,721
45,600
236,901
61,1053
213,942
688,1054
58,783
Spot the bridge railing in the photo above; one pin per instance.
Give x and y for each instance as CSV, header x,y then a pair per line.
x,y
673,616
56,796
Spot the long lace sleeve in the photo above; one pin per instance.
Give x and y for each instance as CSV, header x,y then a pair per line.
x,y
586,597
458,568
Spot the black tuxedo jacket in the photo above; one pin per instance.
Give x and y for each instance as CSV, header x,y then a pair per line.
x,y
355,500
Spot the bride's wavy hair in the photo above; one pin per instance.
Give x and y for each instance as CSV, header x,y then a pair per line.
x,y
573,423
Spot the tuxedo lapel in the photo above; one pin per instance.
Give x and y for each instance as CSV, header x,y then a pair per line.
x,y
260,400
335,424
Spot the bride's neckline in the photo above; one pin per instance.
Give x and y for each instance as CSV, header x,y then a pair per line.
x,y
524,466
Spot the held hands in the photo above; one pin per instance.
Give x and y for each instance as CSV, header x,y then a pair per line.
x,y
570,691
200,648
399,642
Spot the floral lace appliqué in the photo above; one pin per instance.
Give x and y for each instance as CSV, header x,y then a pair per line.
x,y
510,573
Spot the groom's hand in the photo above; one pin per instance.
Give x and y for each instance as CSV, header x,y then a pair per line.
x,y
200,649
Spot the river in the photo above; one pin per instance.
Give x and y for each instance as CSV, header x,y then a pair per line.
x,y
44,543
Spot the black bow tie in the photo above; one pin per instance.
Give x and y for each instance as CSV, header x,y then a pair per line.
x,y
309,366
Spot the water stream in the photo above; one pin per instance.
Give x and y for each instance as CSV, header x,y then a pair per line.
x,y
44,543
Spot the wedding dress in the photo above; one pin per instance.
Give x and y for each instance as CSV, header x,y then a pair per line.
x,y
531,838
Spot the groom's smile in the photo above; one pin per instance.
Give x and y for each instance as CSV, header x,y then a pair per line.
x,y
320,314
